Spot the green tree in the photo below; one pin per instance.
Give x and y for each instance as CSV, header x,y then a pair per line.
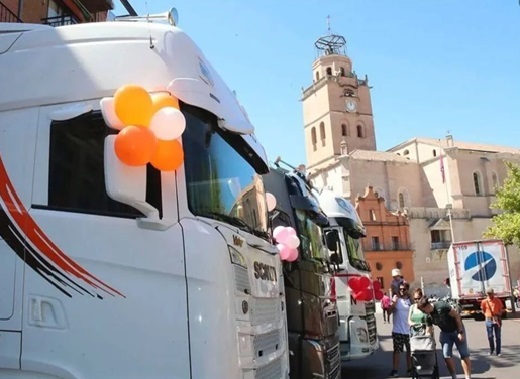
x,y
506,226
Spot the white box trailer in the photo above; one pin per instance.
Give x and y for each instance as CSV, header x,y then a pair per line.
x,y
476,266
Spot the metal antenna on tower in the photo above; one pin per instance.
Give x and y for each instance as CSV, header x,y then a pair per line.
x,y
330,43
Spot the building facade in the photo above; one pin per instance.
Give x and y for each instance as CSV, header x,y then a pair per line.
x,y
54,12
444,187
387,244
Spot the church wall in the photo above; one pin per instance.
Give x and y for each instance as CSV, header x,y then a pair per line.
x,y
391,176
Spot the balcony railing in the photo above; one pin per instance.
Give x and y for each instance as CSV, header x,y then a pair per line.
x,y
387,247
59,20
6,15
440,245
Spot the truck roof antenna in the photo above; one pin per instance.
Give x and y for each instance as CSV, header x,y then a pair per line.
x,y
296,170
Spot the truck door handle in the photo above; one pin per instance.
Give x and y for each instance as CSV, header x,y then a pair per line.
x,y
36,310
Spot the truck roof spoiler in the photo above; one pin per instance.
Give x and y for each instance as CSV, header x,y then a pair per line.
x,y
17,27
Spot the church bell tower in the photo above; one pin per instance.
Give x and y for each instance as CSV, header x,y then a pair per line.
x,y
337,109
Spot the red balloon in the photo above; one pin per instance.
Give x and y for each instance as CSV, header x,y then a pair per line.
x,y
364,282
377,285
379,295
353,283
359,295
368,295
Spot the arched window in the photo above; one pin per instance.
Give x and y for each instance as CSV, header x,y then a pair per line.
x,y
434,152
322,133
494,179
359,129
342,71
313,138
406,152
329,71
344,130
372,215
401,200
477,183
317,76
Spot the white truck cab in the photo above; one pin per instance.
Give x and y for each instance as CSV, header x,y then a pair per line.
x,y
111,271
358,331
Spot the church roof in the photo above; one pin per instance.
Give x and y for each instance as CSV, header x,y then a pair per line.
x,y
377,156
462,145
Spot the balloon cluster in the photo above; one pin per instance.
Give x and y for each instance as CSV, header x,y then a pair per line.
x,y
365,290
152,126
288,242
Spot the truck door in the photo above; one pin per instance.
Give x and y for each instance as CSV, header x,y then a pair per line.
x,y
18,132
109,274
495,270
470,267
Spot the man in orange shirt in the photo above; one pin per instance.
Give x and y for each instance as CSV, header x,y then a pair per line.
x,y
492,308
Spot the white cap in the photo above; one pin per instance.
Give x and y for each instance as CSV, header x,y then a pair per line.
x,y
396,272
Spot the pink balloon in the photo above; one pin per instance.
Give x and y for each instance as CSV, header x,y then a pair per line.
x,y
291,230
280,234
284,251
292,241
271,201
293,255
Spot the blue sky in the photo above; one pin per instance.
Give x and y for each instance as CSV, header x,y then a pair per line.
x,y
435,65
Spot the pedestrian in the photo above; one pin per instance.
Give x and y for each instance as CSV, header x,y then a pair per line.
x,y
385,305
452,333
396,281
493,308
400,309
417,319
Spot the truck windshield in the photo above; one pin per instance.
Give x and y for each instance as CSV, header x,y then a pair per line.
x,y
221,180
356,257
311,240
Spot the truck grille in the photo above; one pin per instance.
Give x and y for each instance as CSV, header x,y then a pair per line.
x,y
371,321
272,370
333,363
241,279
267,343
265,311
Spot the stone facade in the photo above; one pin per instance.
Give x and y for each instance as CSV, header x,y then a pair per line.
x,y
440,207
387,244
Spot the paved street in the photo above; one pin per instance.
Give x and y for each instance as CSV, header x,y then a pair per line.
x,y
379,365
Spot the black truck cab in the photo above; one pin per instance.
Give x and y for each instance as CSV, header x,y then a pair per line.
x,y
312,316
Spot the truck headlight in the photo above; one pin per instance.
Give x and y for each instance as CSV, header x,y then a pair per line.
x,y
362,335
236,257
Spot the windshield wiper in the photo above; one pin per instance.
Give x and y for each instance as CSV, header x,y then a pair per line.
x,y
233,220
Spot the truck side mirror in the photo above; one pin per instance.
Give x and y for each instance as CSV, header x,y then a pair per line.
x,y
127,185
331,240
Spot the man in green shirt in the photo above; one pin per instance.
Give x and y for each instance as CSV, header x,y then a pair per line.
x,y
449,322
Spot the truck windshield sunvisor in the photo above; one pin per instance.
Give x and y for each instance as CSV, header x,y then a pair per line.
x,y
351,227
306,204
